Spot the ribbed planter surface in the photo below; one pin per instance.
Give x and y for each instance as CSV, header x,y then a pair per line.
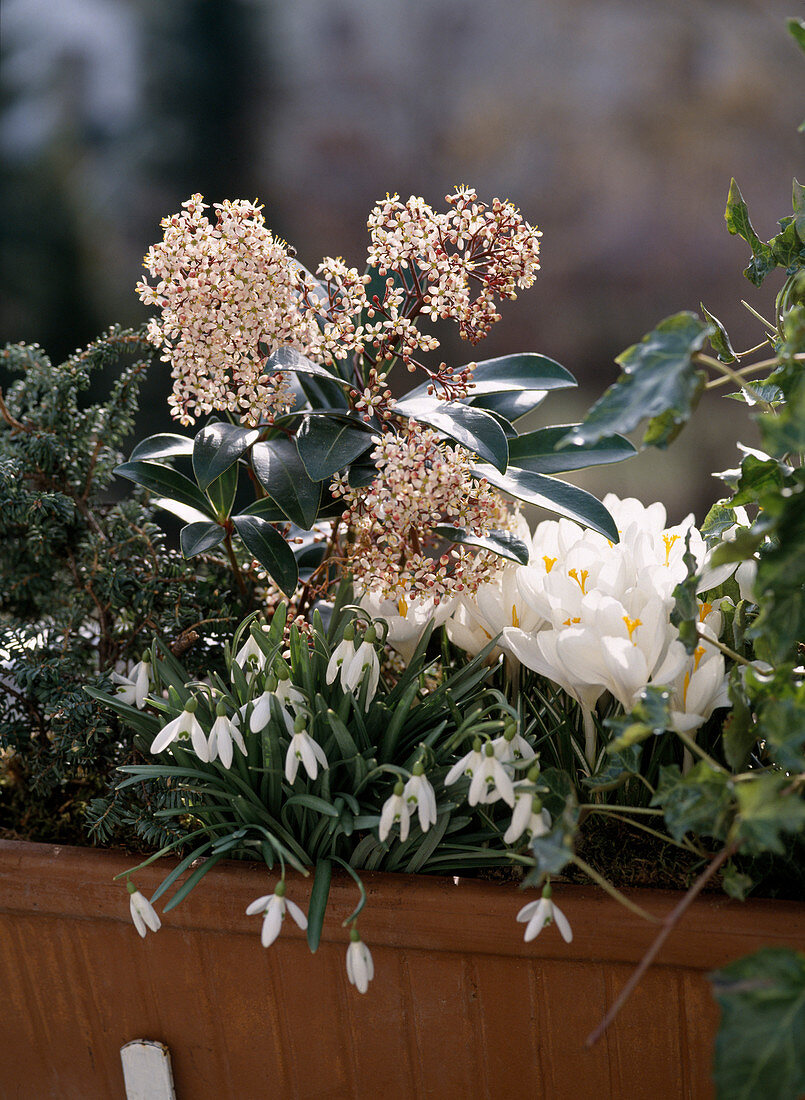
x,y
460,1005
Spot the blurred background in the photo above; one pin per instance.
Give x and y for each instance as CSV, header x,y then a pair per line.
x,y
613,126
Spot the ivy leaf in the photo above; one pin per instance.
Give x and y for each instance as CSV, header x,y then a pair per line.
x,y
473,428
685,612
718,520
719,340
166,481
782,727
543,453
650,715
768,807
268,546
740,730
699,802
735,884
282,473
616,769
196,538
553,851
781,623
737,218
760,1046
556,496
216,447
327,446
659,380
502,543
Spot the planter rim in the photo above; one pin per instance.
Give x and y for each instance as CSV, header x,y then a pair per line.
x,y
413,911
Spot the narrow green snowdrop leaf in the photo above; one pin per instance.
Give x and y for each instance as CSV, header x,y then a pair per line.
x,y
162,479
327,446
216,447
541,452
660,382
762,1000
281,472
271,550
318,903
556,496
196,538
164,445
503,543
473,428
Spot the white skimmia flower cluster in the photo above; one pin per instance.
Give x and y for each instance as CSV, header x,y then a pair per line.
x,y
595,617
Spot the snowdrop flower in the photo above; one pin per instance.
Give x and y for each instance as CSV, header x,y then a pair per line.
x,y
360,968
342,655
179,729
468,765
133,688
286,695
528,817
490,781
395,808
364,663
420,794
541,913
303,747
250,656
142,911
273,907
224,731
511,746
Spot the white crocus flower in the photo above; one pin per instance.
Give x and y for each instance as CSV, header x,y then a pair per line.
x,y
541,913
360,968
490,781
133,689
528,817
407,617
179,729
468,764
222,735
142,911
273,907
303,747
395,809
418,792
746,575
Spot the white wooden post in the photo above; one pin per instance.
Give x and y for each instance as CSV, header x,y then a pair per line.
x,y
147,1070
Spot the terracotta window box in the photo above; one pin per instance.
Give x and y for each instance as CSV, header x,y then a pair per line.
x,y
460,1006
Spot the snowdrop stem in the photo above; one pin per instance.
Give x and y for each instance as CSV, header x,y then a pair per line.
x,y
613,892
687,761
590,737
351,871
158,855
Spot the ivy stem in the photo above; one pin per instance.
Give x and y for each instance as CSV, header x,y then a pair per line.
x,y
613,892
687,740
725,649
669,923
735,377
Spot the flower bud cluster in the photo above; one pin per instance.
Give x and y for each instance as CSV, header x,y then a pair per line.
x,y
222,288
421,482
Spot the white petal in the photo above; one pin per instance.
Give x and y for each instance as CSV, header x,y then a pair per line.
x,y
563,924
296,913
258,905
291,763
272,921
166,735
136,916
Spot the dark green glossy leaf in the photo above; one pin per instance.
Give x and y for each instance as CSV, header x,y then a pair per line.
x,y
327,446
556,496
503,543
266,544
221,492
513,405
216,447
526,372
282,474
760,1046
196,538
286,359
473,428
659,380
540,452
165,445
265,509
166,481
